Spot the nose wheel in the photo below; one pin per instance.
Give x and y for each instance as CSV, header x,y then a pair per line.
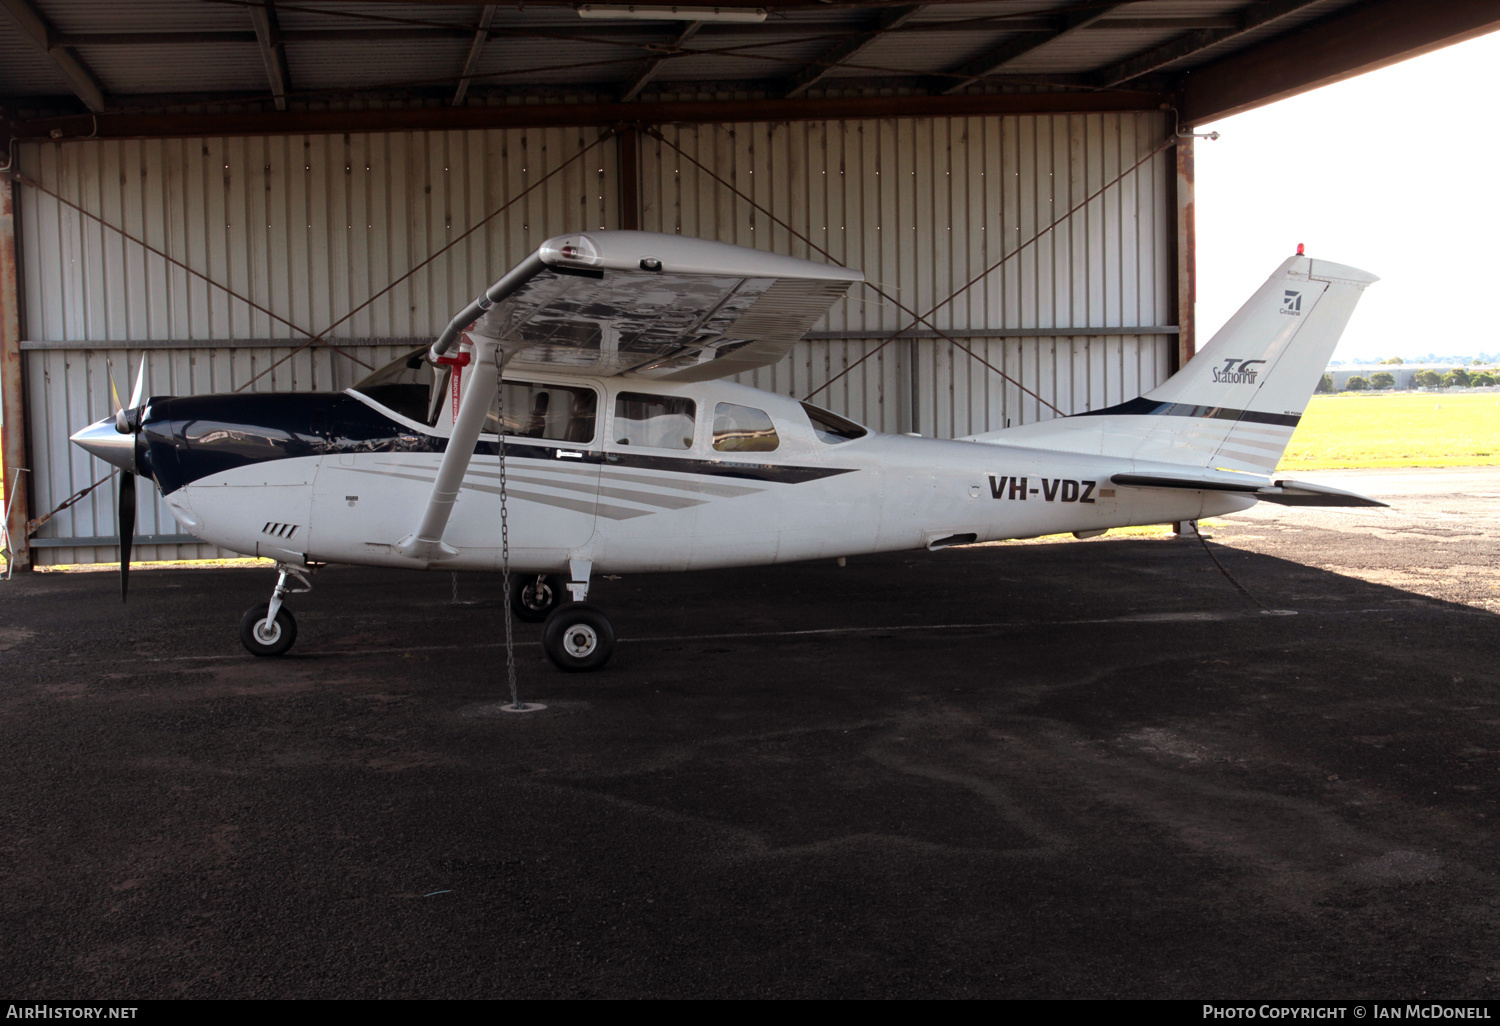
x,y
577,637
267,639
269,629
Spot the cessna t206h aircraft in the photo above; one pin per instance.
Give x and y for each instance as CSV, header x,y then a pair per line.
x,y
624,450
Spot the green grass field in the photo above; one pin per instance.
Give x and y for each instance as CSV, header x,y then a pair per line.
x,y
1426,429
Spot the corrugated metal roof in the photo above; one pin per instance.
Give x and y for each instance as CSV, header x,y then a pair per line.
x,y
205,67
74,16
338,64
1082,52
927,52
25,70
375,15
417,51
1305,16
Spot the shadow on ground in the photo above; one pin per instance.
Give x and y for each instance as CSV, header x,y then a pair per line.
x,y
1051,770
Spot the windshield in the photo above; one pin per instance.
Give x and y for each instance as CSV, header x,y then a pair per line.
x,y
409,385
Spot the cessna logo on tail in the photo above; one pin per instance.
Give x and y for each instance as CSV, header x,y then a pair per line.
x,y
1237,372
1291,302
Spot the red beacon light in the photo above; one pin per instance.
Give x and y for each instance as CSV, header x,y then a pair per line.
x,y
568,252
1301,249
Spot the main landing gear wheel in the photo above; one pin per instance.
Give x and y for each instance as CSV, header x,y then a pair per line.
x,y
262,642
578,638
533,596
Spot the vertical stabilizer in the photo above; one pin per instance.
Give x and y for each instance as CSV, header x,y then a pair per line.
x,y
1236,404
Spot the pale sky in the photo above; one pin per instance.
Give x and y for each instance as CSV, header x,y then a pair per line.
x,y
1396,172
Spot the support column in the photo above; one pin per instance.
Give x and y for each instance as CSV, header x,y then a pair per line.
x,y
12,404
628,166
1187,254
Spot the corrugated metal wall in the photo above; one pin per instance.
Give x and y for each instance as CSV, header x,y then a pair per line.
x,y
924,206
310,227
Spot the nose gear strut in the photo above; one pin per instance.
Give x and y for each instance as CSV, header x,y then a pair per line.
x,y
270,629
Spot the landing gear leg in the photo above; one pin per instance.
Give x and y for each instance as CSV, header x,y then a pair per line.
x,y
270,629
578,637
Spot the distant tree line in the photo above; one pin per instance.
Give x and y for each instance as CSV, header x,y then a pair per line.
x,y
1456,378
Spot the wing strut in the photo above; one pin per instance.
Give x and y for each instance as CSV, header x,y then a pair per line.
x,y
426,543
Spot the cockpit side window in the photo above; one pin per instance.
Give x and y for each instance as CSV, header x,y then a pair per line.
x,y
410,385
557,413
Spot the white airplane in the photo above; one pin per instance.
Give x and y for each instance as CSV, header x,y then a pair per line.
x,y
625,451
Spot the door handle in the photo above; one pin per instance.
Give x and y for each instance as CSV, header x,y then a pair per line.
x,y
568,454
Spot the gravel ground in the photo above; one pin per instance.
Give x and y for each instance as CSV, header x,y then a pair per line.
x,y
1090,769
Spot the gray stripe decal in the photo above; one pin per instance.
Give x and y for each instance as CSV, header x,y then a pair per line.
x,y
592,486
602,509
628,494
706,488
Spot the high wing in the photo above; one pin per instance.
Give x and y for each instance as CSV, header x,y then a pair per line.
x,y
663,306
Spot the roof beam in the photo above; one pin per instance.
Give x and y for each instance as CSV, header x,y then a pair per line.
x,y
476,49
36,28
887,20
971,71
1253,17
624,31
272,50
1371,36
648,70
533,115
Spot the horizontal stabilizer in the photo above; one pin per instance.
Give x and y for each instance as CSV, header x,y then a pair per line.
x,y
1285,493
1198,481
1303,493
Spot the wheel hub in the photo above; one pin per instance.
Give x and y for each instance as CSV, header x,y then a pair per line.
x,y
267,637
580,640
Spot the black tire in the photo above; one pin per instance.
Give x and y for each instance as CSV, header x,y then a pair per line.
x,y
533,600
578,638
284,631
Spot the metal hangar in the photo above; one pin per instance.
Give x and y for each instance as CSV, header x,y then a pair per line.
x,y
280,194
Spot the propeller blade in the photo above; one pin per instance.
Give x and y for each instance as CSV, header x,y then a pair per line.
x,y
140,384
127,529
122,423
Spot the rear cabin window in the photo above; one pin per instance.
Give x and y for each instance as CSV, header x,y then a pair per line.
x,y
657,421
743,429
832,428
554,413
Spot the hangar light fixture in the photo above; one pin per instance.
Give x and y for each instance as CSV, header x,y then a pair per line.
x,y
637,12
